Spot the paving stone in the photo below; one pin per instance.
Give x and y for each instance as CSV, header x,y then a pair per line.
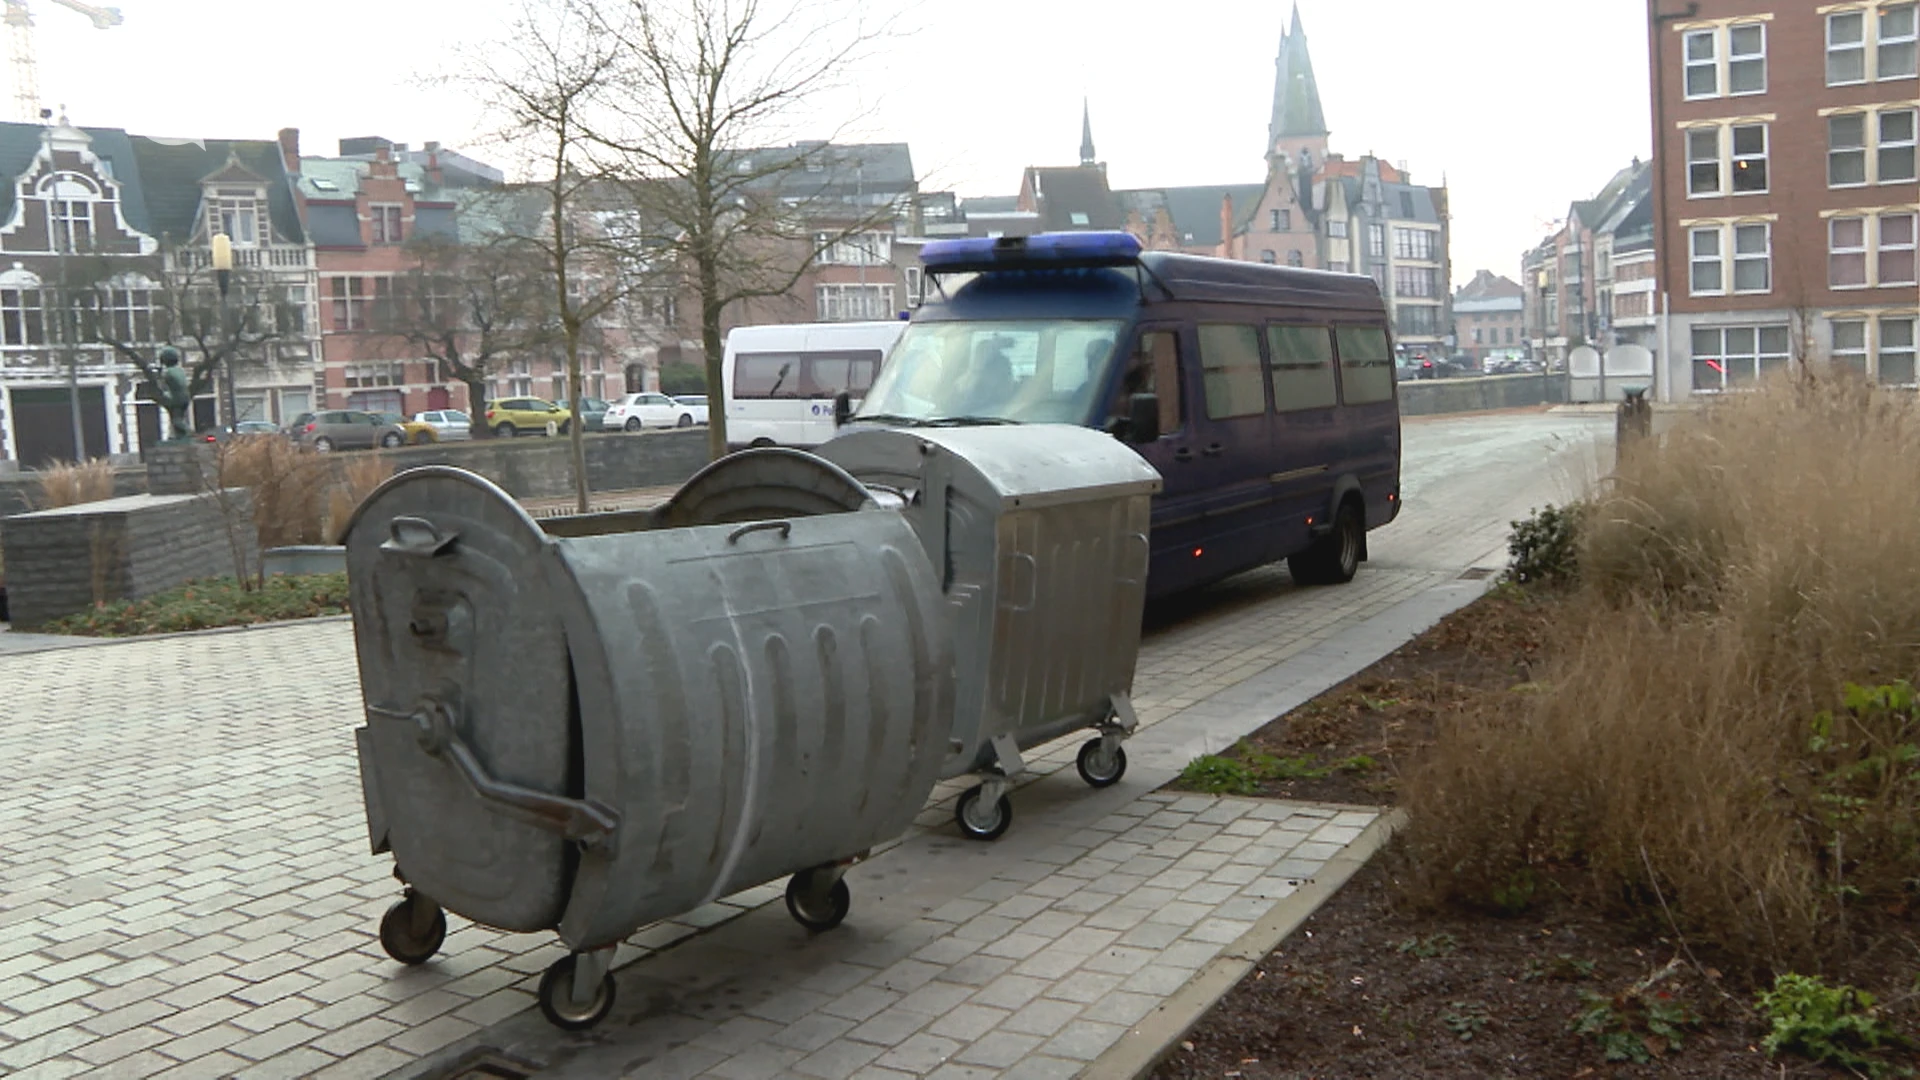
x,y
920,1053
838,1059
760,1061
1083,1040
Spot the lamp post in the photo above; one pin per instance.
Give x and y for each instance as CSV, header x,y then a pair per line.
x,y
223,277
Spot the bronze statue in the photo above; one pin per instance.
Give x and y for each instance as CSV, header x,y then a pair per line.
x,y
174,395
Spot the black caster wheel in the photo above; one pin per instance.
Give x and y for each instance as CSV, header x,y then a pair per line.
x,y
812,911
982,822
1099,768
413,929
558,1006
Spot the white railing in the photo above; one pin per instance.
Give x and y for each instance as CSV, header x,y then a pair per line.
x,y
271,257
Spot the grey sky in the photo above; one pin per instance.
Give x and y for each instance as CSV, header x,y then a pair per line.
x,y
1523,105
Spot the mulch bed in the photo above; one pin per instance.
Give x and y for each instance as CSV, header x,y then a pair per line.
x,y
1373,987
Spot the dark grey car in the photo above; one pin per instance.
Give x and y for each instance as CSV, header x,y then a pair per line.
x,y
348,429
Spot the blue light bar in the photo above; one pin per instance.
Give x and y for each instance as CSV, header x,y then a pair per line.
x,y
1042,251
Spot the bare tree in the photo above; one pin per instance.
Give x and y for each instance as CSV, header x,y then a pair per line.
x,y
176,302
470,307
544,83
701,83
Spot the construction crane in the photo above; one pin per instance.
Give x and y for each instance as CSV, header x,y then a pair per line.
x,y
19,21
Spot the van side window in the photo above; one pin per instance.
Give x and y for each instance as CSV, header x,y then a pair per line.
x,y
1302,367
766,375
1230,364
1155,369
1366,365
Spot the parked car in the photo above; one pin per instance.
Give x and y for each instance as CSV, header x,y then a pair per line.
x,y
511,416
447,424
695,403
635,411
417,431
256,427
593,411
348,429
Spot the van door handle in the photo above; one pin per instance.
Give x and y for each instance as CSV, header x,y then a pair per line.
x,y
1183,454
1214,450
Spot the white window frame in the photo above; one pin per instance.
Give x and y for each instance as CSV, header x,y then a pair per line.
x,y
63,215
1689,63
1861,45
855,249
1911,39
1849,354
1865,149
1881,145
1881,247
380,215
853,302
236,215
1734,157
1696,259
1736,257
1880,349
1717,161
1835,251
1746,58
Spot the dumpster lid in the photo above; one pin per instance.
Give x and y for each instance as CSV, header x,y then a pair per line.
x,y
1026,465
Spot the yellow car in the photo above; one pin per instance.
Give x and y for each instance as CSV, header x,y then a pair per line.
x,y
511,416
416,431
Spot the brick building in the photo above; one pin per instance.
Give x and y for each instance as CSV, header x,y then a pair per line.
x,y
1570,276
1785,199
1487,319
143,210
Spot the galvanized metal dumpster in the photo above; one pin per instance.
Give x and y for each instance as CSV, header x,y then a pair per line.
x,y
1039,533
611,719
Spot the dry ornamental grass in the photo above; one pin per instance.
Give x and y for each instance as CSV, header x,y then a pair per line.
x,y
1692,753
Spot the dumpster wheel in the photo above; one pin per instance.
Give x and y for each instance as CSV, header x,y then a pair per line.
x,y
413,929
1101,765
556,997
982,823
816,908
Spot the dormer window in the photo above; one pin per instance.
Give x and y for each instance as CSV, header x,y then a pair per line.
x,y
237,213
70,199
387,223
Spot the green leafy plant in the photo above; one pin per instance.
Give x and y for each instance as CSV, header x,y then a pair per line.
x,y
1514,894
215,602
1217,775
1544,548
1465,1019
1637,1024
1833,1024
1429,947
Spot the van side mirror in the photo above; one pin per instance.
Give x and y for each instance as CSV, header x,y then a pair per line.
x,y
842,408
1143,418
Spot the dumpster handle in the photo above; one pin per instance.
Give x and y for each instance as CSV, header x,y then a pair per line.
x,y
785,527
586,821
416,536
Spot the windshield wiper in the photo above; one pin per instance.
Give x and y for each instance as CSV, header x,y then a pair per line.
x,y
888,418
968,421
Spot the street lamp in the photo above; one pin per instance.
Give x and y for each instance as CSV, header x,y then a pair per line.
x,y
222,246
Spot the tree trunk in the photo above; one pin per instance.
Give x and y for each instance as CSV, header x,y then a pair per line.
x,y
477,409
575,436
712,346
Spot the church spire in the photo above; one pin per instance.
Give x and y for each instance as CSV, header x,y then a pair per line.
x,y
1087,155
1296,96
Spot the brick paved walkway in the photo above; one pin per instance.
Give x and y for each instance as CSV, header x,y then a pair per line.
x,y
186,889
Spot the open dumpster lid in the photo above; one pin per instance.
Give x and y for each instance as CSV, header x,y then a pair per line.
x,y
1024,465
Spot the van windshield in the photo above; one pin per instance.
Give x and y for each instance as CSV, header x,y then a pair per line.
x,y
1033,371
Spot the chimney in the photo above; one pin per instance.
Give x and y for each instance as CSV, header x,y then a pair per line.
x,y
434,175
1226,223
290,149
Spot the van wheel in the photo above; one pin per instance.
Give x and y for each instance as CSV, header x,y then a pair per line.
x,y
1334,558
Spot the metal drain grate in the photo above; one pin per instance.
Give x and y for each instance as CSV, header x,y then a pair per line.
x,y
487,1065
1478,573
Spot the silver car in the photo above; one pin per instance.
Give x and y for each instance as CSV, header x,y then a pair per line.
x,y
447,423
348,429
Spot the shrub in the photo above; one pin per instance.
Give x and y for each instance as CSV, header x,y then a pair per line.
x,y
1838,1025
1544,548
1693,751
72,484
683,378
202,605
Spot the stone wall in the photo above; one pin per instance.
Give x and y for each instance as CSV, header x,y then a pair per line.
x,y
1432,397
19,490
62,561
536,467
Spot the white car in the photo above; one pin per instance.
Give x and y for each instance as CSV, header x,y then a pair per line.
x,y
631,412
447,423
